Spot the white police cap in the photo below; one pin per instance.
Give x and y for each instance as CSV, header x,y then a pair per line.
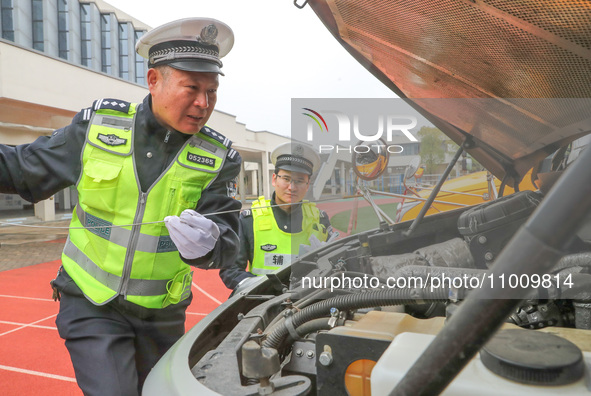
x,y
296,157
192,44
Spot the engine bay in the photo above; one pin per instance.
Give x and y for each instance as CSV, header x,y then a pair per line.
x,y
352,317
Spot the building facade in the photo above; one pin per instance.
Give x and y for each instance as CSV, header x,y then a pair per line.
x,y
88,33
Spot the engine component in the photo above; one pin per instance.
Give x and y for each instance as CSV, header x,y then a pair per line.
x,y
533,358
452,253
582,314
302,361
488,227
534,315
353,350
386,297
259,362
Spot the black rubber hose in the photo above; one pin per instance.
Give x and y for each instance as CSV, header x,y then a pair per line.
x,y
310,327
354,301
580,288
300,304
573,260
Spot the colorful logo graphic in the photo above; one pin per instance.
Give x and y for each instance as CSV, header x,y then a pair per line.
x,y
316,119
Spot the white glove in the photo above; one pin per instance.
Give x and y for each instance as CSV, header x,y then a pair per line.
x,y
335,235
193,234
315,244
304,249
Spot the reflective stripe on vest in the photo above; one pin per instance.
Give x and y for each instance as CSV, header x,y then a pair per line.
x,y
140,287
118,244
262,271
275,248
121,236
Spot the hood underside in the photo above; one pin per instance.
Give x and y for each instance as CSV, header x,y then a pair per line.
x,y
510,80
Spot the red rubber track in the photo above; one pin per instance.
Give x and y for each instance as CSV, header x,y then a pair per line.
x,y
33,358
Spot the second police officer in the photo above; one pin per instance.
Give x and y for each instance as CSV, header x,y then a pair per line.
x,y
273,230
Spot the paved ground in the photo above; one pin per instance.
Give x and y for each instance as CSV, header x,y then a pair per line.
x,y
33,358
23,246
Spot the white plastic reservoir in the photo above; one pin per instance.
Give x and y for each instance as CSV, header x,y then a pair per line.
x,y
474,379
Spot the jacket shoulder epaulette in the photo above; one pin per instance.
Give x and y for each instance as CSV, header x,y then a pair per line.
x,y
246,213
83,116
111,104
207,131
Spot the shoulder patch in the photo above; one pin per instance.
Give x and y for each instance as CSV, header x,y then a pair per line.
x,y
246,213
86,114
111,104
233,154
83,116
207,131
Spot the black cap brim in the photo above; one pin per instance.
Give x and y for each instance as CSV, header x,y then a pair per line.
x,y
196,66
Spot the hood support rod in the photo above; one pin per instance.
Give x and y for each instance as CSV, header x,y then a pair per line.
x,y
435,191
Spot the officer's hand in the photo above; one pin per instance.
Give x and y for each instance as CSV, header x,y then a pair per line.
x,y
334,236
315,242
245,284
304,249
193,234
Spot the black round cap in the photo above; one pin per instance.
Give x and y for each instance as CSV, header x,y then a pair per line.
x,y
533,358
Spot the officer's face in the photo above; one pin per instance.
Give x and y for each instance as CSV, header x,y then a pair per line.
x,y
182,100
292,191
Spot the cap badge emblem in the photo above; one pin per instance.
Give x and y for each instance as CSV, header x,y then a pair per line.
x,y
298,150
208,35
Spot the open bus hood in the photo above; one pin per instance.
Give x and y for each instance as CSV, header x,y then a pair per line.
x,y
515,76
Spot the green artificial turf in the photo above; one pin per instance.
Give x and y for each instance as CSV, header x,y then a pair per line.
x,y
366,218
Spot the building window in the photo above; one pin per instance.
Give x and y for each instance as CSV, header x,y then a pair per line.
x,y
63,29
6,9
409,148
85,35
123,51
140,64
106,43
37,19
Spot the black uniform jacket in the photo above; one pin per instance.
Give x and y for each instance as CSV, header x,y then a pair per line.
x,y
38,170
288,222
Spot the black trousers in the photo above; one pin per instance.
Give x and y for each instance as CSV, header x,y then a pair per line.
x,y
114,346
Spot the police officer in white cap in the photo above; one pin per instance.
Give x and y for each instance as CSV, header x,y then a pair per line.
x,y
126,277
273,230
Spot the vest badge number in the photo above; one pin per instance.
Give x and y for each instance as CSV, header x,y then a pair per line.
x,y
111,140
268,247
201,160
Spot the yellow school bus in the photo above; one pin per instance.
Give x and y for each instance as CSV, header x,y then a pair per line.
x,y
471,189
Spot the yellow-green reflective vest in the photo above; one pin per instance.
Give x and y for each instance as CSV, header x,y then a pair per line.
x,y
274,248
109,252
